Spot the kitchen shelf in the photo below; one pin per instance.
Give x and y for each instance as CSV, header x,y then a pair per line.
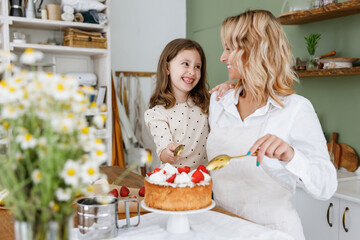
x,y
59,49
35,23
329,72
329,11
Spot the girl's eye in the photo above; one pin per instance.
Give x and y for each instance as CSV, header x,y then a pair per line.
x,y
198,67
185,63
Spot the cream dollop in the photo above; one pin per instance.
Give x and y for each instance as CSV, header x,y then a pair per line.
x,y
182,178
158,177
170,170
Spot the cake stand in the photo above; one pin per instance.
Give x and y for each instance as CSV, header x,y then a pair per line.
x,y
178,221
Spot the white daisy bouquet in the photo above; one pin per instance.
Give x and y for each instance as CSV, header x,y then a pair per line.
x,y
53,154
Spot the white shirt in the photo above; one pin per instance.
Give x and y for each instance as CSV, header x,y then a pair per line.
x,y
297,124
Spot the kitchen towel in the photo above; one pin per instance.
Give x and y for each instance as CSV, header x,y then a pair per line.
x,y
208,225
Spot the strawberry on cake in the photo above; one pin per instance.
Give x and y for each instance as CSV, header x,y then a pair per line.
x,y
178,189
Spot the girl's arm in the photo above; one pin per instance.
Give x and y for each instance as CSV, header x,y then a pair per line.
x,y
222,88
167,155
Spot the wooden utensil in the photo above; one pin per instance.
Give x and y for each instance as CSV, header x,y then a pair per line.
x,y
330,54
348,158
334,147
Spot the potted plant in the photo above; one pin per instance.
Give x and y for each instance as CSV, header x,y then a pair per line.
x,y
311,44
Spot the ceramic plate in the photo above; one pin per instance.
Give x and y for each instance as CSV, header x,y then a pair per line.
x,y
143,205
326,60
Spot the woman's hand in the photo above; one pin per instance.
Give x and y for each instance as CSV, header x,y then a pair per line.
x,y
272,147
167,155
222,88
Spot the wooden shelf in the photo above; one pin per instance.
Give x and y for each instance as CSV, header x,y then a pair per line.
x,y
35,23
59,49
329,11
330,72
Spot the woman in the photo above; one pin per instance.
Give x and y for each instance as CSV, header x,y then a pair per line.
x,y
263,117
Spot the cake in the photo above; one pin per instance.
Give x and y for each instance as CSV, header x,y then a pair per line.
x,y
178,189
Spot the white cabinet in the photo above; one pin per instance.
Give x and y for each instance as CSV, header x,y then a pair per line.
x,y
349,226
326,219
62,59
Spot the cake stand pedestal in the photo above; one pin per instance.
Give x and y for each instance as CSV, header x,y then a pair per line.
x,y
178,221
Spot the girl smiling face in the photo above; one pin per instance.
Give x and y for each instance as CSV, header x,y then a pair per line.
x,y
185,72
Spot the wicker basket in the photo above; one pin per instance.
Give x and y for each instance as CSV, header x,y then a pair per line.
x,y
77,38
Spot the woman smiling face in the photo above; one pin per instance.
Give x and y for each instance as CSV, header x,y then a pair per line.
x,y
232,67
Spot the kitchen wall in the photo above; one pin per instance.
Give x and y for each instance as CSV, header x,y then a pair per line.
x,y
140,29
335,99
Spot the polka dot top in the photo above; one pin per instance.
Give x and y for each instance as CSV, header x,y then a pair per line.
x,y
183,124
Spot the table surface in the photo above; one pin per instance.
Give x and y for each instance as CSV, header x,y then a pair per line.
x,y
132,180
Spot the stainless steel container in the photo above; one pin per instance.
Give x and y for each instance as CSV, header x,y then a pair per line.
x,y
97,216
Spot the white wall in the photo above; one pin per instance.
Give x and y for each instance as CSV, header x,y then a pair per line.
x,y
140,29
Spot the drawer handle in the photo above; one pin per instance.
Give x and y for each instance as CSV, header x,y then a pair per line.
x,y
328,213
344,218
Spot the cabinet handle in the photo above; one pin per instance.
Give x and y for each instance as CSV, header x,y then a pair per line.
x,y
344,218
328,213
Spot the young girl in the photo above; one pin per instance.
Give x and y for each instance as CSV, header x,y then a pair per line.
x,y
178,111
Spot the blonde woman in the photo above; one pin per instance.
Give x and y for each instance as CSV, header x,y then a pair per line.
x,y
263,117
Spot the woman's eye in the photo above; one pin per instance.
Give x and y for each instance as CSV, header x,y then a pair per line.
x,y
227,49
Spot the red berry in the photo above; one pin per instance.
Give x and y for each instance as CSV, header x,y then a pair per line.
x,y
156,170
132,197
197,176
203,168
184,169
171,179
114,193
142,192
149,173
124,191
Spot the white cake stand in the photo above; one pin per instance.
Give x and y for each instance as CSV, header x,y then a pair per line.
x,y
178,221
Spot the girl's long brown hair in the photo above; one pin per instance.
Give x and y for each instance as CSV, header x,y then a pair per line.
x,y
162,94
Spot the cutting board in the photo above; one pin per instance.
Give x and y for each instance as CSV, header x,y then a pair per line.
x,y
348,158
335,149
344,155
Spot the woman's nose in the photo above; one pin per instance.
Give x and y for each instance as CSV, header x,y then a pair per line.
x,y
223,57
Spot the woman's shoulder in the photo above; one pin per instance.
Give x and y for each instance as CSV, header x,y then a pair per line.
x,y
228,97
297,101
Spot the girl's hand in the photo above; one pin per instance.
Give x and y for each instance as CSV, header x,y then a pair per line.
x,y
222,88
167,155
272,147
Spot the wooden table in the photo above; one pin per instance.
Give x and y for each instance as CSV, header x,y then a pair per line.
x,y
131,180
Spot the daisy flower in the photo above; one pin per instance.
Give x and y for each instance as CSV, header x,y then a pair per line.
x,y
26,141
63,195
89,172
30,56
70,173
36,176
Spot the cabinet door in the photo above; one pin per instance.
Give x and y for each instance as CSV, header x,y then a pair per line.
x,y
349,225
320,219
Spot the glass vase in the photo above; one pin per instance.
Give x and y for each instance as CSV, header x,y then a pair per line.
x,y
52,230
312,63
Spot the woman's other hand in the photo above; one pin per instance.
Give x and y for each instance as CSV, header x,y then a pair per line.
x,y
167,155
272,147
222,88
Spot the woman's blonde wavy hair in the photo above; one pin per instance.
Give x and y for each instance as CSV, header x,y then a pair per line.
x,y
162,94
260,50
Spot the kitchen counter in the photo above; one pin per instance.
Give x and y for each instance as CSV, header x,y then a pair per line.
x,y
348,185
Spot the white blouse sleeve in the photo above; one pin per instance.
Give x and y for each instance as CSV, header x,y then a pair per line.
x,y
311,162
158,124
